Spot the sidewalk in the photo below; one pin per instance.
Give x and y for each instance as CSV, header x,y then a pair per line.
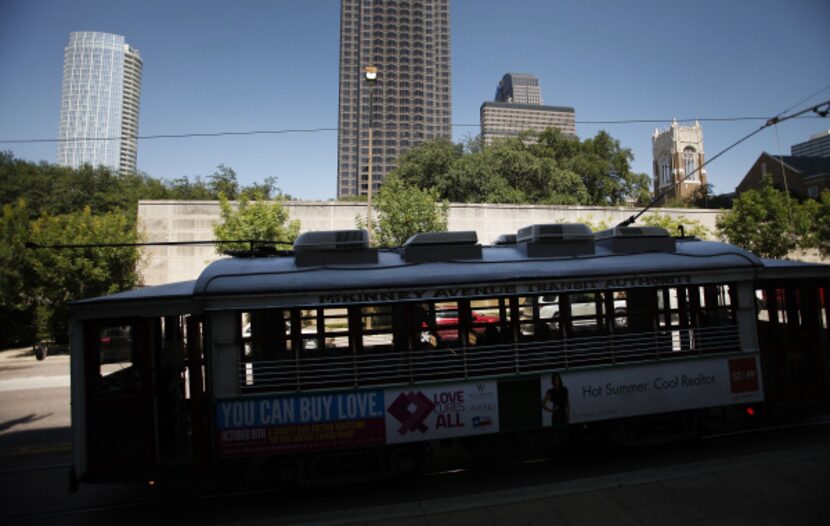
x,y
34,404
16,354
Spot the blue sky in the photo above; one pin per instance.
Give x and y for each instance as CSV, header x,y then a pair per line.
x,y
249,65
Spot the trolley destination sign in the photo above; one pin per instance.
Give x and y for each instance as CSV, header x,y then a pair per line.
x,y
533,287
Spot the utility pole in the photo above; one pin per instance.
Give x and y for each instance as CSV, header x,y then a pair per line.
x,y
371,75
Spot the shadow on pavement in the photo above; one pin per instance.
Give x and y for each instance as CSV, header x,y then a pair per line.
x,y
35,441
8,424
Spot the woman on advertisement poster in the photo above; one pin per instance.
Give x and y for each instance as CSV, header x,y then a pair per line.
x,y
556,402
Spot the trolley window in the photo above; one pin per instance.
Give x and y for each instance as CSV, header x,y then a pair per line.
x,y
337,346
540,317
118,373
377,328
486,321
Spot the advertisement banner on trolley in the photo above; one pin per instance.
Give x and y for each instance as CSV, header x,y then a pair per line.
x,y
437,412
585,396
299,423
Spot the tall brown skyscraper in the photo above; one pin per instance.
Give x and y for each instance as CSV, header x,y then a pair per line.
x,y
409,44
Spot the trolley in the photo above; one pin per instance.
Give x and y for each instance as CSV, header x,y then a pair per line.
x,y
340,354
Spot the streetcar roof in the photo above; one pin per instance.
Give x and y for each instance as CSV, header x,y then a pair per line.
x,y
181,289
498,264
273,275
774,268
172,298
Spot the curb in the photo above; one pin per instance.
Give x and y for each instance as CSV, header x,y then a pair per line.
x,y
59,447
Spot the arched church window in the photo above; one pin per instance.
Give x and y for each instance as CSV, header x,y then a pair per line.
x,y
666,170
689,164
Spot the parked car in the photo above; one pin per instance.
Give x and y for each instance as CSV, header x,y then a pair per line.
x,y
582,304
448,317
116,345
308,344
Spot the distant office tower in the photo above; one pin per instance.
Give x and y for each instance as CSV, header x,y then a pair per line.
x,y
678,152
519,88
100,100
504,119
817,146
518,108
409,44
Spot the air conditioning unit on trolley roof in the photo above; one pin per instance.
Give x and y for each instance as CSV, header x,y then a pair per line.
x,y
333,247
635,239
442,246
556,240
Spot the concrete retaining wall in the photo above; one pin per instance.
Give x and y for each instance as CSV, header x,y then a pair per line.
x,y
193,221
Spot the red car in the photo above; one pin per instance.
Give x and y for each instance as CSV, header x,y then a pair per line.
x,y
448,317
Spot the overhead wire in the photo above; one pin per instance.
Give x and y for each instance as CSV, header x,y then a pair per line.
x,y
784,176
821,110
805,99
252,242
173,135
243,133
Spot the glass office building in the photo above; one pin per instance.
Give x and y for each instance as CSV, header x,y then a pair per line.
x,y
519,88
99,102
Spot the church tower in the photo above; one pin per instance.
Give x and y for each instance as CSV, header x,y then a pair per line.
x,y
678,151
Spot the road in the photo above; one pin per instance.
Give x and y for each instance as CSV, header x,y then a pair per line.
x,y
34,403
779,476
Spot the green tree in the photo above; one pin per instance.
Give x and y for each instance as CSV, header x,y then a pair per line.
x,y
223,182
691,227
820,232
16,276
404,210
265,190
257,220
58,190
595,226
473,178
605,168
186,189
472,143
551,143
766,222
41,204
427,164
556,169
64,275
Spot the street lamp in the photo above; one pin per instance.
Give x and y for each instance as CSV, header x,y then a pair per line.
x,y
371,75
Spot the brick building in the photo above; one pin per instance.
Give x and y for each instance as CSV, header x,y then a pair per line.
x,y
802,176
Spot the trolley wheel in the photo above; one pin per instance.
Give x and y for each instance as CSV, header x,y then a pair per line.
x,y
287,474
407,461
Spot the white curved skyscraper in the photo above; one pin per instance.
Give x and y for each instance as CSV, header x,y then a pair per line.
x,y
99,102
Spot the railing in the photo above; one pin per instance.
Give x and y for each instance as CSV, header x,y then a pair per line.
x,y
406,367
